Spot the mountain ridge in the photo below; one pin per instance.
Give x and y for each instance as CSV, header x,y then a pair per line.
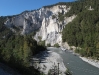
x,y
48,23
31,21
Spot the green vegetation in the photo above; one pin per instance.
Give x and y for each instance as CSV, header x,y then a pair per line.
x,y
48,45
81,5
68,72
42,43
83,31
56,45
60,3
61,16
53,16
16,50
39,37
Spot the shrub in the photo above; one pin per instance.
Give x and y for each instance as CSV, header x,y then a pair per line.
x,y
56,45
48,45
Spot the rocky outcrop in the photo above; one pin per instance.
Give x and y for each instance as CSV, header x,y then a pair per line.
x,y
45,21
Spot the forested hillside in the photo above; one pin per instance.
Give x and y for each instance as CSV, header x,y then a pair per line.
x,y
16,50
83,31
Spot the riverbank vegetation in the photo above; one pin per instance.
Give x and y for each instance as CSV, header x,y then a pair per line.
x,y
56,45
83,31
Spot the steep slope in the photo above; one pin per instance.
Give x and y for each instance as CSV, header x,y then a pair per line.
x,y
16,50
83,31
47,22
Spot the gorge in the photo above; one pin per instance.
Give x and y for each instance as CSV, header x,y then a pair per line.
x,y
69,25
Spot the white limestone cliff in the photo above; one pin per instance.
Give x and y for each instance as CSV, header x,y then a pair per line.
x,y
44,21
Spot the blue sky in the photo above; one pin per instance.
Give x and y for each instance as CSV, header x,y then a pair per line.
x,y
13,7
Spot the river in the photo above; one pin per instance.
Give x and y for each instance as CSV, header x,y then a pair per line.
x,y
76,65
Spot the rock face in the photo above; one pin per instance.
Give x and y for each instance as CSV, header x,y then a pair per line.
x,y
45,21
